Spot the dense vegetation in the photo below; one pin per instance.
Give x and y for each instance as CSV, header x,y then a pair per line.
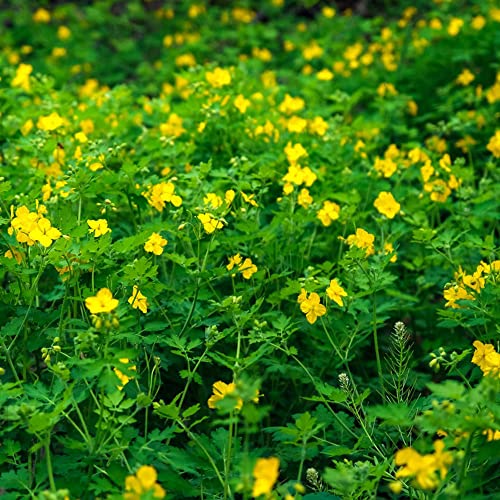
x,y
249,250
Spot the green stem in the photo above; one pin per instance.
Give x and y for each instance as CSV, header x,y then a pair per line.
x,y
48,460
464,466
377,351
205,452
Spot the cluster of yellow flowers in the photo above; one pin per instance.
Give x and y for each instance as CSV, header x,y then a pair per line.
x,y
466,286
487,359
311,305
159,194
246,267
104,302
222,390
423,469
143,482
32,227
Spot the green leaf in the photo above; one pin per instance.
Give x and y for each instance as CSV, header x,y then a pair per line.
x,y
449,389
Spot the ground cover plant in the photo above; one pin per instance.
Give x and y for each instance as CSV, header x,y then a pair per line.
x,y
249,250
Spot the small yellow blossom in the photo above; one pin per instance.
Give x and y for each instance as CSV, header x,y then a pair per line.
x,y
494,144
49,122
220,391
387,205
155,244
241,103
218,78
294,152
210,223
22,77
362,239
41,15
311,307
329,212
424,468
249,199
138,301
63,32
99,227
304,199
465,77
455,26
265,473
325,75
385,166
291,105
454,293
336,292
102,302
486,357
142,483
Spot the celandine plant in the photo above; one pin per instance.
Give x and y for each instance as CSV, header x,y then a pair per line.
x,y
249,250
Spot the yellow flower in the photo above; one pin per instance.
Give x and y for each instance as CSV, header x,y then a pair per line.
x,y
49,122
23,224
229,196
249,199
311,307
465,77
98,227
218,77
44,233
385,166
159,194
328,213
486,358
362,239
325,75
424,468
155,244
265,472
304,199
138,301
386,89
454,293
387,205
14,254
210,223
143,482
291,105
247,268
22,77
312,51
173,126
318,126
234,261
388,248
241,104
63,32
336,292
41,15
26,128
494,144
294,153
296,124
102,302
455,26
412,107
220,391
328,12
124,379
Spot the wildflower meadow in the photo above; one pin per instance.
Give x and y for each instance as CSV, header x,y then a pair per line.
x,y
249,249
